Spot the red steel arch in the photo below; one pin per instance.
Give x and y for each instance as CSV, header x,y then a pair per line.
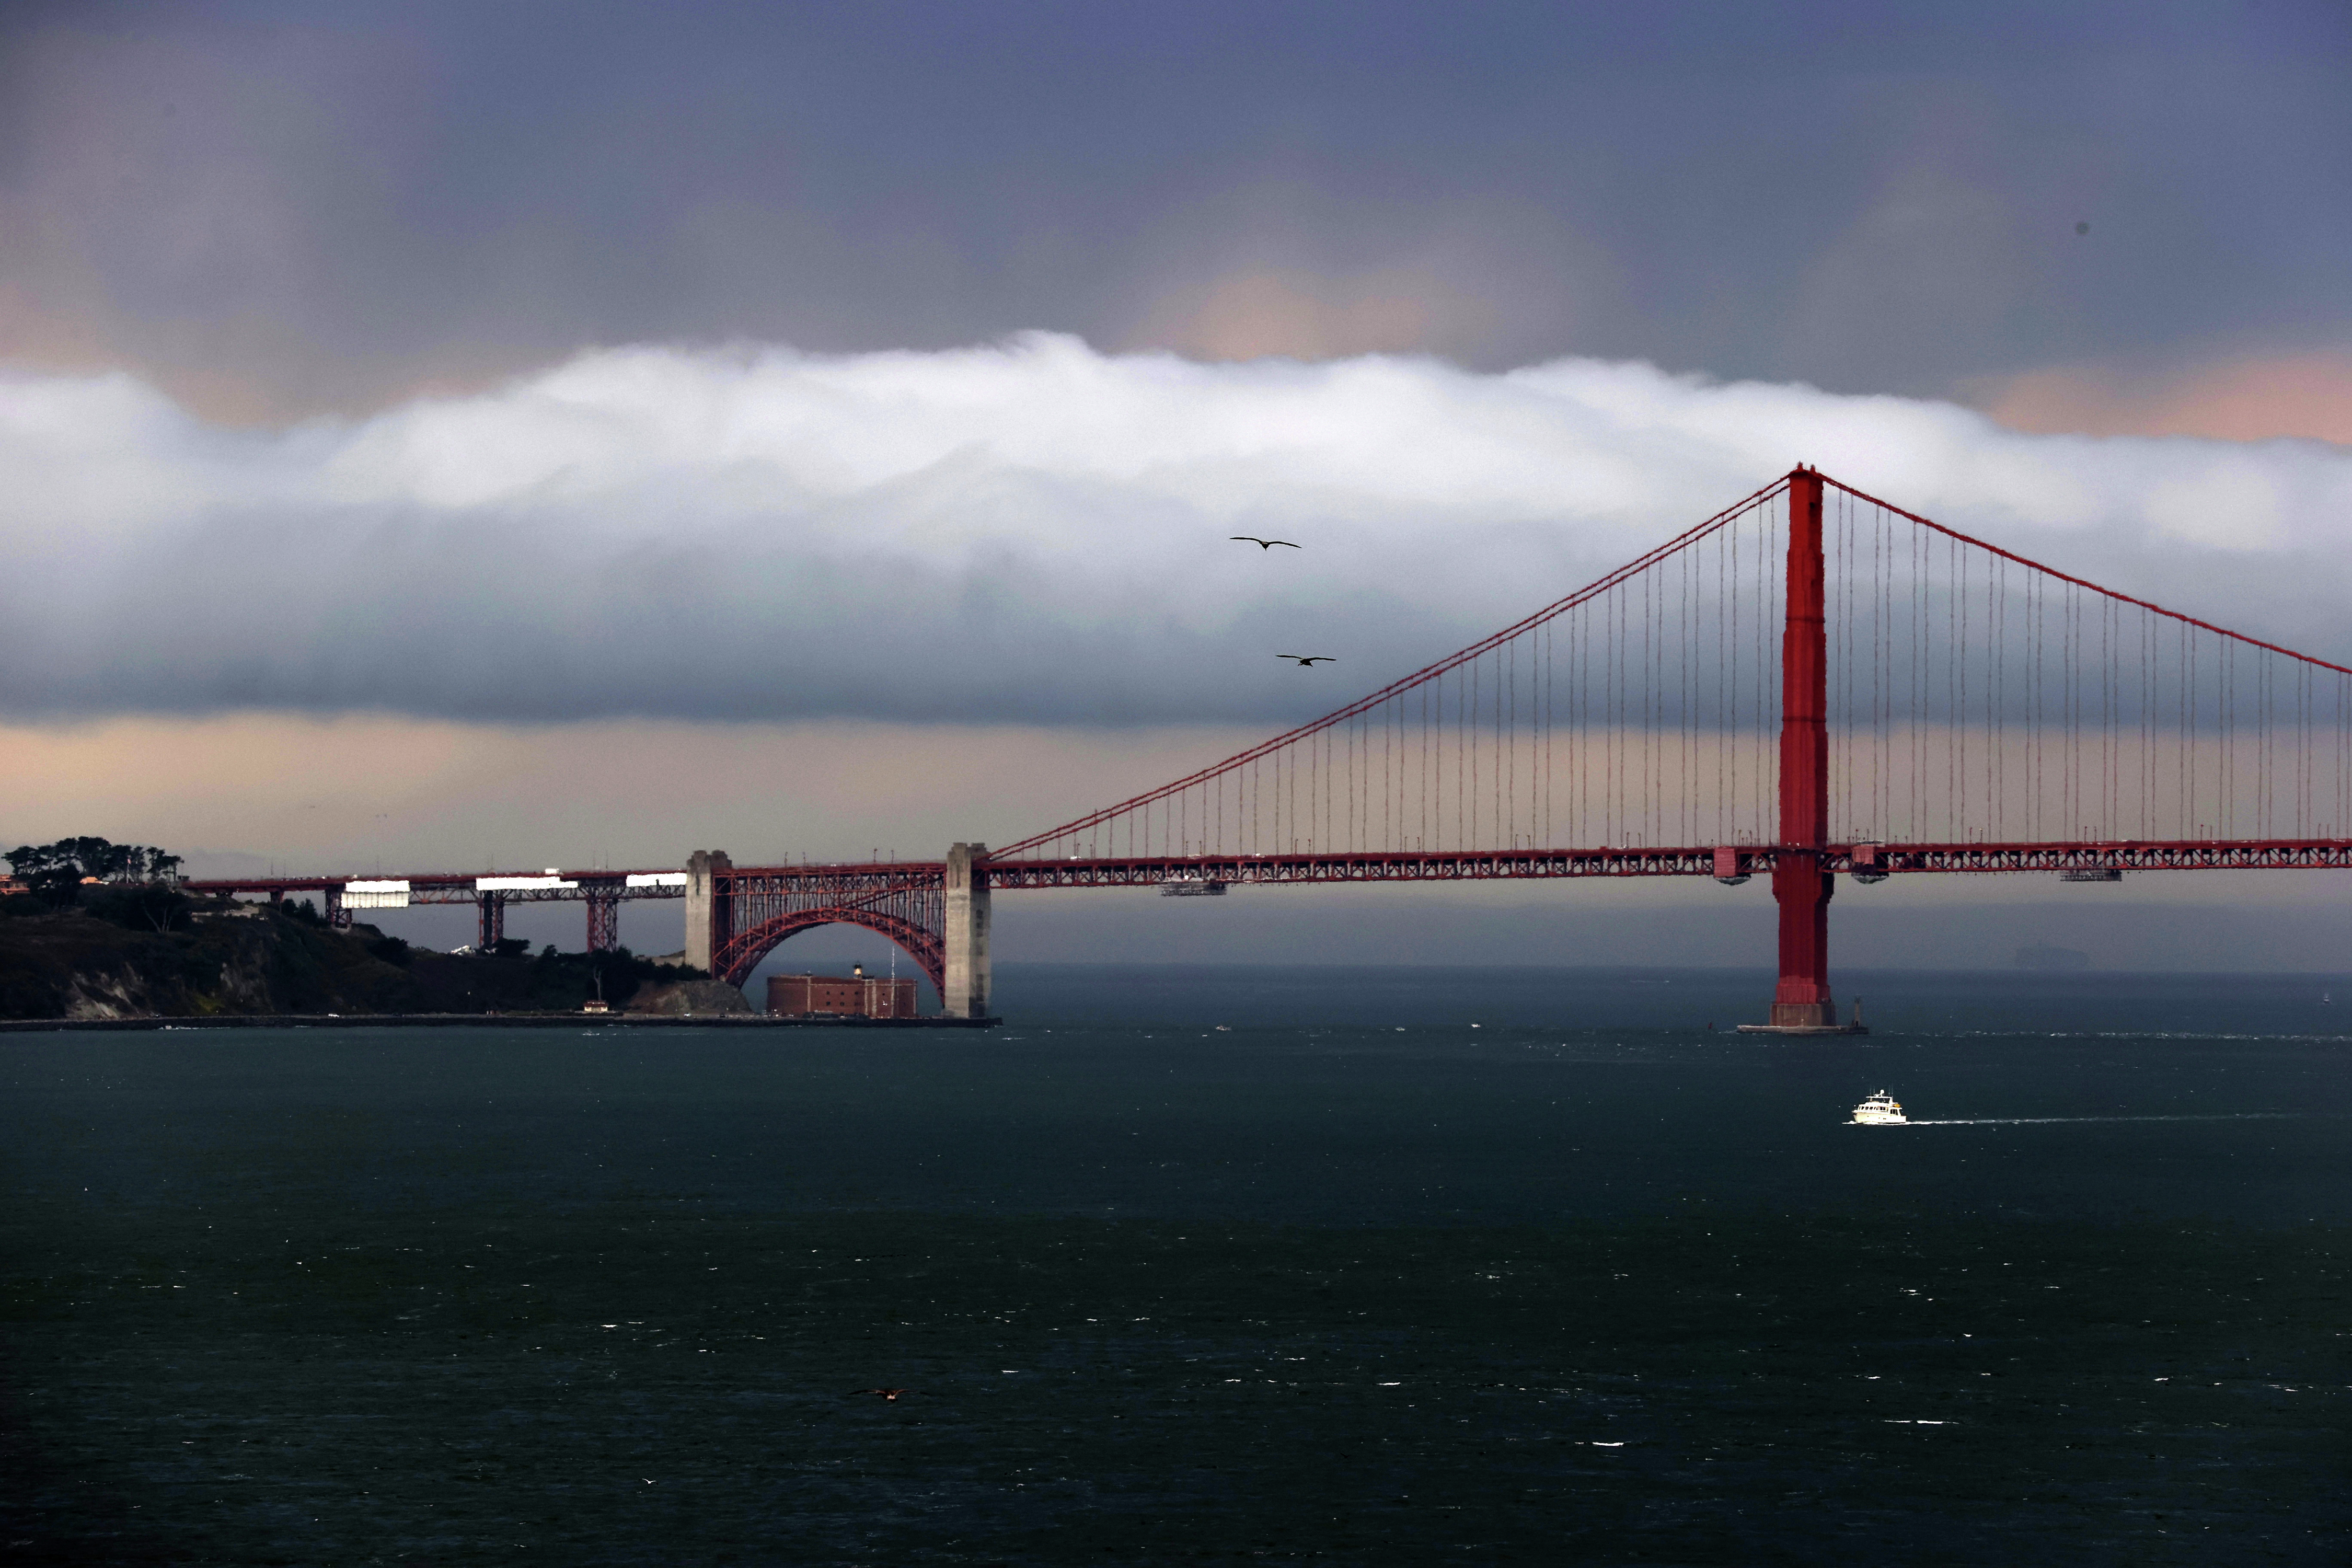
x,y
734,961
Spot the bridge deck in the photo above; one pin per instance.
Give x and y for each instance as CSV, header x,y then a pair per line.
x,y
459,886
2196,855
1421,866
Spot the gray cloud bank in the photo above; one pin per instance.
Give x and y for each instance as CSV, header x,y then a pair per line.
x,y
280,208
1032,532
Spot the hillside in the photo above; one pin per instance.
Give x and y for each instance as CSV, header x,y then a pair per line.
x,y
223,957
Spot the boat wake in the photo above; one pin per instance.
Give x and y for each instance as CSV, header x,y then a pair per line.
x,y
2037,1121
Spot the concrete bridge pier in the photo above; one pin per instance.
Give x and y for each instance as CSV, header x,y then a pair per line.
x,y
709,906
965,994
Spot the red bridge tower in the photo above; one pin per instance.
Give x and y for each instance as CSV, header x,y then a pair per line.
x,y
1801,883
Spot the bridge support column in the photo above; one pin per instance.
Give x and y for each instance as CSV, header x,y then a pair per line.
x,y
709,906
1801,1003
493,909
1802,889
603,901
965,994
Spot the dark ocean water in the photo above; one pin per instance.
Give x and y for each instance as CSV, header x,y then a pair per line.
x,y
1351,1280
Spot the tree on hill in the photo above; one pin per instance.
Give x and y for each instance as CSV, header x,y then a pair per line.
x,y
55,872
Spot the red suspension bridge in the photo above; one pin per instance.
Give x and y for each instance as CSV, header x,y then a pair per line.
x,y
1811,683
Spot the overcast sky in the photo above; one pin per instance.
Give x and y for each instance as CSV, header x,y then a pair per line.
x,y
419,382
276,208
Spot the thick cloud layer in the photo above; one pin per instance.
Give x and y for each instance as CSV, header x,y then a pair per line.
x,y
280,208
1032,532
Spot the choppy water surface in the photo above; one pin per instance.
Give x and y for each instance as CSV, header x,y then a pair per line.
x,y
1349,1280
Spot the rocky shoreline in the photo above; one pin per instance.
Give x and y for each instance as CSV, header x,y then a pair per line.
x,y
587,1021
217,959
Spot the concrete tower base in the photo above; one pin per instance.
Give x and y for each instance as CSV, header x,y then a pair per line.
x,y
965,994
1806,1018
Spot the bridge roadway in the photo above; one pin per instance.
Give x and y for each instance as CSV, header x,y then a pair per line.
x,y
938,911
1745,859
602,891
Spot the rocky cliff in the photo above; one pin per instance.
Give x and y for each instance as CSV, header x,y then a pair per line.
x,y
229,959
688,998
223,957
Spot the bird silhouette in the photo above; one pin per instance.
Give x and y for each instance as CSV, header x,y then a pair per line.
x,y
888,1394
1261,544
1309,660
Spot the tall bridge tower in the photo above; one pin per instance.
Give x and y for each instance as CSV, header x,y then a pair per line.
x,y
1801,885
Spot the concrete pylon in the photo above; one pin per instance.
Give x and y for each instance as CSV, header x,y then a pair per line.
x,y
709,908
965,996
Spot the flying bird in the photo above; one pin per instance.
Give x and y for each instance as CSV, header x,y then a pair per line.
x,y
1309,660
1261,544
888,1394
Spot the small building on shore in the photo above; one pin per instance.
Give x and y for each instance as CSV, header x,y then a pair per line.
x,y
861,995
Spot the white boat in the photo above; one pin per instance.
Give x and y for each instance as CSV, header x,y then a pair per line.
x,y
1879,1111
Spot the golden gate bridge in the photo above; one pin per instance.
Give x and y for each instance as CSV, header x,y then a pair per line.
x,y
1811,683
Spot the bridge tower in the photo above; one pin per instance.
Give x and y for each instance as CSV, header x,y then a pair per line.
x,y
1801,1003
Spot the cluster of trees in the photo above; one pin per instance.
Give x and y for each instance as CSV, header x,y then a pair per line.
x,y
54,873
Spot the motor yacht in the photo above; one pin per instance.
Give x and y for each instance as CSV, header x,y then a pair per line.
x,y
1879,1111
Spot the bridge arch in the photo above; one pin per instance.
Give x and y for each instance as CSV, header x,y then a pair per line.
x,y
742,952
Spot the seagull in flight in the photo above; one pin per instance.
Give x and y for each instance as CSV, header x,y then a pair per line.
x,y
1309,660
1261,544
889,1393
